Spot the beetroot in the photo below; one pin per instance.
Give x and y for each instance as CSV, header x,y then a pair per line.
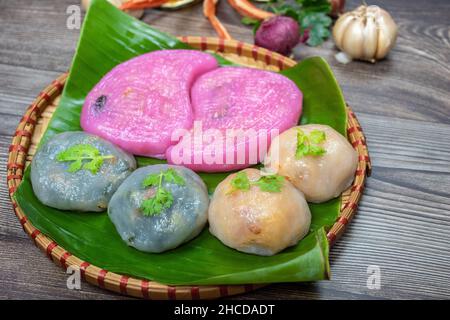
x,y
279,34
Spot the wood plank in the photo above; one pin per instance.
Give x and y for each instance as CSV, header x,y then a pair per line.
x,y
402,102
41,279
412,82
19,86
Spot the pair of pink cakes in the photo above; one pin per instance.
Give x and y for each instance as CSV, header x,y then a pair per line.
x,y
181,106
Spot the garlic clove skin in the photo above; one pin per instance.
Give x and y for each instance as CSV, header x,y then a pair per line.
x,y
387,34
366,33
353,38
342,57
341,24
370,42
135,13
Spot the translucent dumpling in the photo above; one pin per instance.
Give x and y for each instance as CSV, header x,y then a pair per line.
x,y
245,216
159,207
78,171
318,160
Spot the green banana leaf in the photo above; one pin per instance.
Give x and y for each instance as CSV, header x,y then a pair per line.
x,y
109,37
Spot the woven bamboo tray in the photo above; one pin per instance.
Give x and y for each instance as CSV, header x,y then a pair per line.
x,y
37,117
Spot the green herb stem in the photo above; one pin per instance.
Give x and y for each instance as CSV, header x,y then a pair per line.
x,y
162,199
87,158
80,152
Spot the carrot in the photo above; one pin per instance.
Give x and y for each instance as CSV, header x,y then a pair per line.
x,y
209,10
246,8
142,4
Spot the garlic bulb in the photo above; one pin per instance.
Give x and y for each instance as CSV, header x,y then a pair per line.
x,y
366,33
135,13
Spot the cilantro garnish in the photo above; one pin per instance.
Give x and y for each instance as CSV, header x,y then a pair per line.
x,y
269,183
272,183
309,145
240,181
78,154
162,199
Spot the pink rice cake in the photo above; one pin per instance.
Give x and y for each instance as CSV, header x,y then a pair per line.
x,y
260,104
140,102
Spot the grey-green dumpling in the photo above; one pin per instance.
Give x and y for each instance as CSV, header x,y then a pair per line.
x,y
84,185
159,207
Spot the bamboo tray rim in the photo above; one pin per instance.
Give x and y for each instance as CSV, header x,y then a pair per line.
x,y
235,51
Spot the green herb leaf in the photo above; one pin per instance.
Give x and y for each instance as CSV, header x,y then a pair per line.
x,y
94,165
309,145
162,199
256,27
288,10
151,180
317,136
172,176
240,182
79,152
269,183
314,5
302,146
316,150
302,150
318,24
272,183
249,21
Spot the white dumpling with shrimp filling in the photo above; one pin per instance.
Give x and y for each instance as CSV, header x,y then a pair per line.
x,y
79,171
159,207
318,160
258,214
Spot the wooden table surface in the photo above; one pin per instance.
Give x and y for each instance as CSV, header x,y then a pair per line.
x,y
403,103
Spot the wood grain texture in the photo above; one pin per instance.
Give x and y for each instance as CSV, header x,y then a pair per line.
x,y
403,103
